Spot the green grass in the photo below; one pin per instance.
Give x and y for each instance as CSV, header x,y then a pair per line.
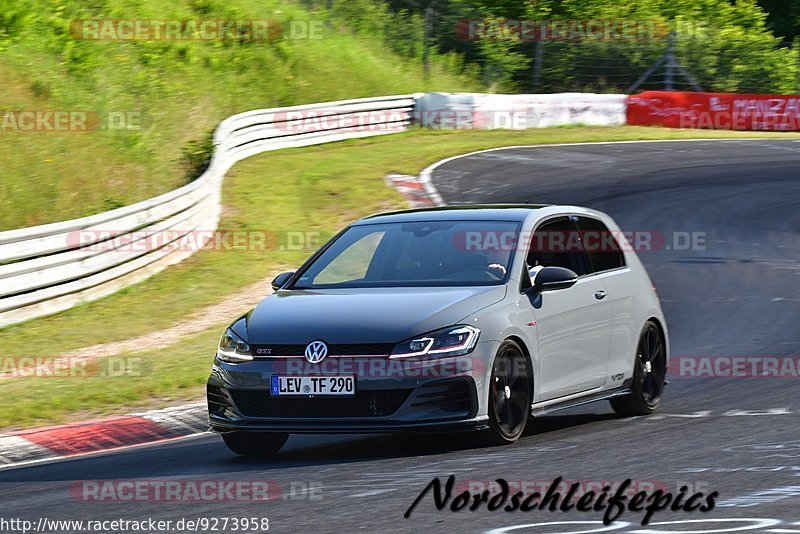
x,y
181,90
313,189
121,384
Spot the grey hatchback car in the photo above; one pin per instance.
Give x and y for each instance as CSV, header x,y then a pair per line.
x,y
456,318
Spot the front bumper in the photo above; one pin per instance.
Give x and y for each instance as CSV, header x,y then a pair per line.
x,y
391,395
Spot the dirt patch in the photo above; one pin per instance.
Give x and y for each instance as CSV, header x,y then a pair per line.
x,y
227,310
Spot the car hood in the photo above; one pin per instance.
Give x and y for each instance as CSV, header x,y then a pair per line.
x,y
375,315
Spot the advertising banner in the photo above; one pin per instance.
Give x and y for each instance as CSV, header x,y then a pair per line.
x,y
717,111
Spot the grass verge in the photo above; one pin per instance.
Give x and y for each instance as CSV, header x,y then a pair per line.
x,y
119,384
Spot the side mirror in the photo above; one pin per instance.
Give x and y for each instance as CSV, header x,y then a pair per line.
x,y
281,279
553,278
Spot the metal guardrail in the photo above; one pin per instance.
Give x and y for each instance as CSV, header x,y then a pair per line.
x,y
50,268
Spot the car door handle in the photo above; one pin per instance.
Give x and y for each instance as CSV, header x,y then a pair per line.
x,y
600,294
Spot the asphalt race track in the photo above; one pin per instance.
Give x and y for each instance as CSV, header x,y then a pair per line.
x,y
736,294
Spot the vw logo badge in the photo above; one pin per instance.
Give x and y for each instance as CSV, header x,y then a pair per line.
x,y
316,351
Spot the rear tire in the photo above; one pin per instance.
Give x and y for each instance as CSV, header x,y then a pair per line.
x,y
649,373
510,395
255,444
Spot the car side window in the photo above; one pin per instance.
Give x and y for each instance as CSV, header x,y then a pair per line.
x,y
600,244
556,243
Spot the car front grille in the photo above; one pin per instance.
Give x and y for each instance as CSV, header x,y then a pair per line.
x,y
347,349
367,403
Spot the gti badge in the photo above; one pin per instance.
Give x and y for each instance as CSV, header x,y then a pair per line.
x,y
316,351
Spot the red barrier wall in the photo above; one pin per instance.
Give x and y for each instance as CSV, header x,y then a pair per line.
x,y
720,111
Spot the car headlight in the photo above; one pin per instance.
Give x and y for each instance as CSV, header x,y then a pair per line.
x,y
233,349
452,341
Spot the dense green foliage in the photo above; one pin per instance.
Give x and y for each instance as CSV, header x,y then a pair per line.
x,y
783,17
726,45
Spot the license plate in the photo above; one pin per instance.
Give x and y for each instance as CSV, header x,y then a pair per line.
x,y
313,385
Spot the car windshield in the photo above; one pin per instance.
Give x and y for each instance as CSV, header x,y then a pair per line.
x,y
440,253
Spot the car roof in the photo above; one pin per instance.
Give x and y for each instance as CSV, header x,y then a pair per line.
x,y
470,212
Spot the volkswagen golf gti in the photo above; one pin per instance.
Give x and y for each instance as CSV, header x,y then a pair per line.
x,y
458,318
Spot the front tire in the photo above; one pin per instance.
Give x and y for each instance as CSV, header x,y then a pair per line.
x,y
255,444
510,395
649,373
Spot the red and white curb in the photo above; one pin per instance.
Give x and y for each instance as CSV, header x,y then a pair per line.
x,y
416,189
77,439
